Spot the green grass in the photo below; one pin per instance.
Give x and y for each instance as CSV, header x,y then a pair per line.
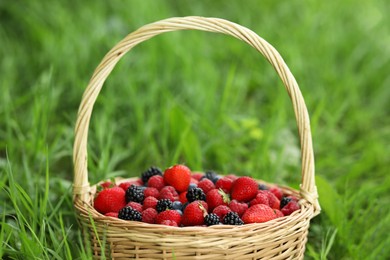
x,y
202,99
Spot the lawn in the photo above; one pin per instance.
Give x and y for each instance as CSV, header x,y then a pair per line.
x,y
206,100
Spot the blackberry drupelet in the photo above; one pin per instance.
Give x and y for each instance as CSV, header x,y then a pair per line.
x,y
195,194
232,218
128,213
284,201
211,219
145,176
135,193
163,205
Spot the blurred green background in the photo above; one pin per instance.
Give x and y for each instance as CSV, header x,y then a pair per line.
x,y
206,100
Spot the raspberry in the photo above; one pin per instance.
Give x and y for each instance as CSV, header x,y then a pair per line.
x,y
135,193
197,176
145,176
278,213
149,215
206,185
149,202
261,198
225,184
157,182
168,192
238,207
274,202
232,218
211,219
163,204
221,211
128,213
150,191
277,192
195,194
290,208
135,205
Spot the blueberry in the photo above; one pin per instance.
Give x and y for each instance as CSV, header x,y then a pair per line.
x,y
177,205
180,212
263,187
192,186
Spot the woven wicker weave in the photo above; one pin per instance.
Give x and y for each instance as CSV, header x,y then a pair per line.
x,y
282,238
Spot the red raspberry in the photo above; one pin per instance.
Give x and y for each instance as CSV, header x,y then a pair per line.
x,y
110,200
206,185
232,177
238,207
244,189
170,214
197,175
168,192
183,197
169,223
157,182
107,184
217,197
149,202
195,181
261,198
135,205
273,201
258,213
277,192
178,176
194,213
278,213
225,184
149,215
221,211
290,208
111,214
150,191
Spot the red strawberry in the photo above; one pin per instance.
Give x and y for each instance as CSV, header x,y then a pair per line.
x,y
194,213
168,192
261,198
217,197
221,211
238,207
125,185
169,223
277,192
171,214
274,202
149,202
178,176
135,205
206,185
150,191
278,213
107,184
225,184
183,197
290,208
110,200
111,214
197,175
156,181
244,189
258,213
149,215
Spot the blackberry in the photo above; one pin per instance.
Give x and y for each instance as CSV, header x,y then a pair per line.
x,y
145,176
128,213
212,219
135,193
195,194
163,205
232,218
284,201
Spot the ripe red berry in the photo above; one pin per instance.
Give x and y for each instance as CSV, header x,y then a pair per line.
x,y
290,208
217,197
244,189
149,202
273,201
157,182
168,192
258,213
169,223
238,207
278,213
261,198
206,185
149,215
111,214
183,197
150,191
110,200
107,184
135,205
277,192
170,214
225,184
194,213
197,175
221,211
178,176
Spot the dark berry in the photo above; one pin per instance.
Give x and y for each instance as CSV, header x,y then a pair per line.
x,y
128,213
232,218
284,201
185,205
192,186
177,205
163,204
145,176
180,212
195,194
212,219
212,176
263,187
135,193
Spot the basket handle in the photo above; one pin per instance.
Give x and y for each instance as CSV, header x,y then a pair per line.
x,y
81,186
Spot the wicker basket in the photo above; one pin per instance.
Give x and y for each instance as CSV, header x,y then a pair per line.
x,y
282,238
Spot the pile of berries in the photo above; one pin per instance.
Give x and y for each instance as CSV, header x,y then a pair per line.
x,y
178,197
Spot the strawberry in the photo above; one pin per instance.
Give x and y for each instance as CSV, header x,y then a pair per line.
x,y
290,208
258,213
238,207
111,214
170,214
225,184
217,197
277,192
110,200
149,215
232,177
157,182
135,205
178,176
194,213
261,198
149,202
206,185
168,192
273,201
169,223
244,189
107,184
150,191
221,211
